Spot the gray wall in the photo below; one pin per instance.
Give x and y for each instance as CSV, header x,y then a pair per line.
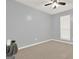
x,y
41,27
23,31
55,24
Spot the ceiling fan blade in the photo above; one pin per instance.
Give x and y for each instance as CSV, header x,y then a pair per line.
x,y
61,3
47,4
54,0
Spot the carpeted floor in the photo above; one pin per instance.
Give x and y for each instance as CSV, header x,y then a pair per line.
x,y
48,50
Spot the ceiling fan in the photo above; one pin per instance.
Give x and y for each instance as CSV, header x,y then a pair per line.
x,y
55,3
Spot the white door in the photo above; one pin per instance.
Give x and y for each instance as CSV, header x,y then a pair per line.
x,y
65,27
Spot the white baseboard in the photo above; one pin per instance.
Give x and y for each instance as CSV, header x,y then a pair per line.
x,y
44,42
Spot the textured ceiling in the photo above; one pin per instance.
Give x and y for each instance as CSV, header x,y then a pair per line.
x,y
39,4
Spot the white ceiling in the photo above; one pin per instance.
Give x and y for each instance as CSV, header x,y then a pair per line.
x,y
39,4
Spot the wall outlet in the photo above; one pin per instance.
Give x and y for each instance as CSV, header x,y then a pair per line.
x,y
36,39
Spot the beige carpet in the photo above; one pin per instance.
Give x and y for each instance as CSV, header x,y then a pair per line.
x,y
48,50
